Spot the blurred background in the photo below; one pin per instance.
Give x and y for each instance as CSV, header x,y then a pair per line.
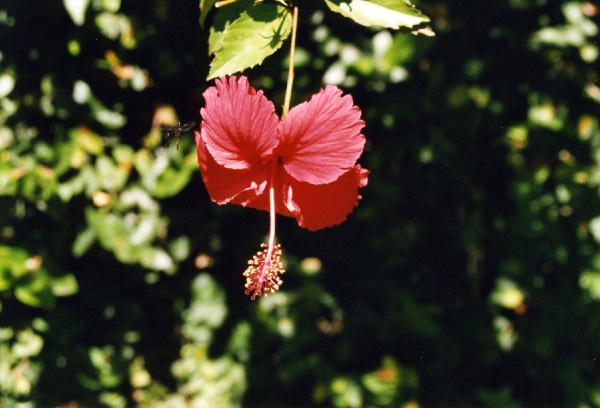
x,y
469,275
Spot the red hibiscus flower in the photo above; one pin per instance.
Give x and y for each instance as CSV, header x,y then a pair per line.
x,y
301,166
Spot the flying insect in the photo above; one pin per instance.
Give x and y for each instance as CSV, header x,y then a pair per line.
x,y
175,131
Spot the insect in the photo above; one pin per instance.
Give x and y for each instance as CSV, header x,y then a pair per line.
x,y
175,131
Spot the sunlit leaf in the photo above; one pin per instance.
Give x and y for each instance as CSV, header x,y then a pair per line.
x,y
113,25
111,5
65,285
345,392
590,281
224,17
76,10
383,13
12,265
255,35
548,115
157,259
7,84
89,141
110,119
13,257
111,177
28,344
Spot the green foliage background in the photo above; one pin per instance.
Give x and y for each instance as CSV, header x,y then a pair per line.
x,y
469,275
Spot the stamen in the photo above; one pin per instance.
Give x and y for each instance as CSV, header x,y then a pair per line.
x,y
264,268
263,271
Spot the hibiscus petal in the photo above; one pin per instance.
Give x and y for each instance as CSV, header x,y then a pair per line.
x,y
326,205
239,124
228,185
321,139
282,187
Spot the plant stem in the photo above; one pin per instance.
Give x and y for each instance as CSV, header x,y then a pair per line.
x,y
290,78
224,3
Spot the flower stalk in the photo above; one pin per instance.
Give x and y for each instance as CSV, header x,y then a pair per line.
x,y
290,78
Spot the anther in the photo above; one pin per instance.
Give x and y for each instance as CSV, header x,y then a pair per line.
x,y
262,274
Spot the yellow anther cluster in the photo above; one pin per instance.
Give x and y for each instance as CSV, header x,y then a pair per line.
x,y
262,274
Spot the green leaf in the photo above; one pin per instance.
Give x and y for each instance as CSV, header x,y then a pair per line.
x,y
110,229
172,181
111,5
12,265
89,141
6,278
83,242
383,383
179,248
76,10
393,14
157,259
205,7
65,285
32,285
111,176
7,83
345,392
35,291
255,35
224,17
